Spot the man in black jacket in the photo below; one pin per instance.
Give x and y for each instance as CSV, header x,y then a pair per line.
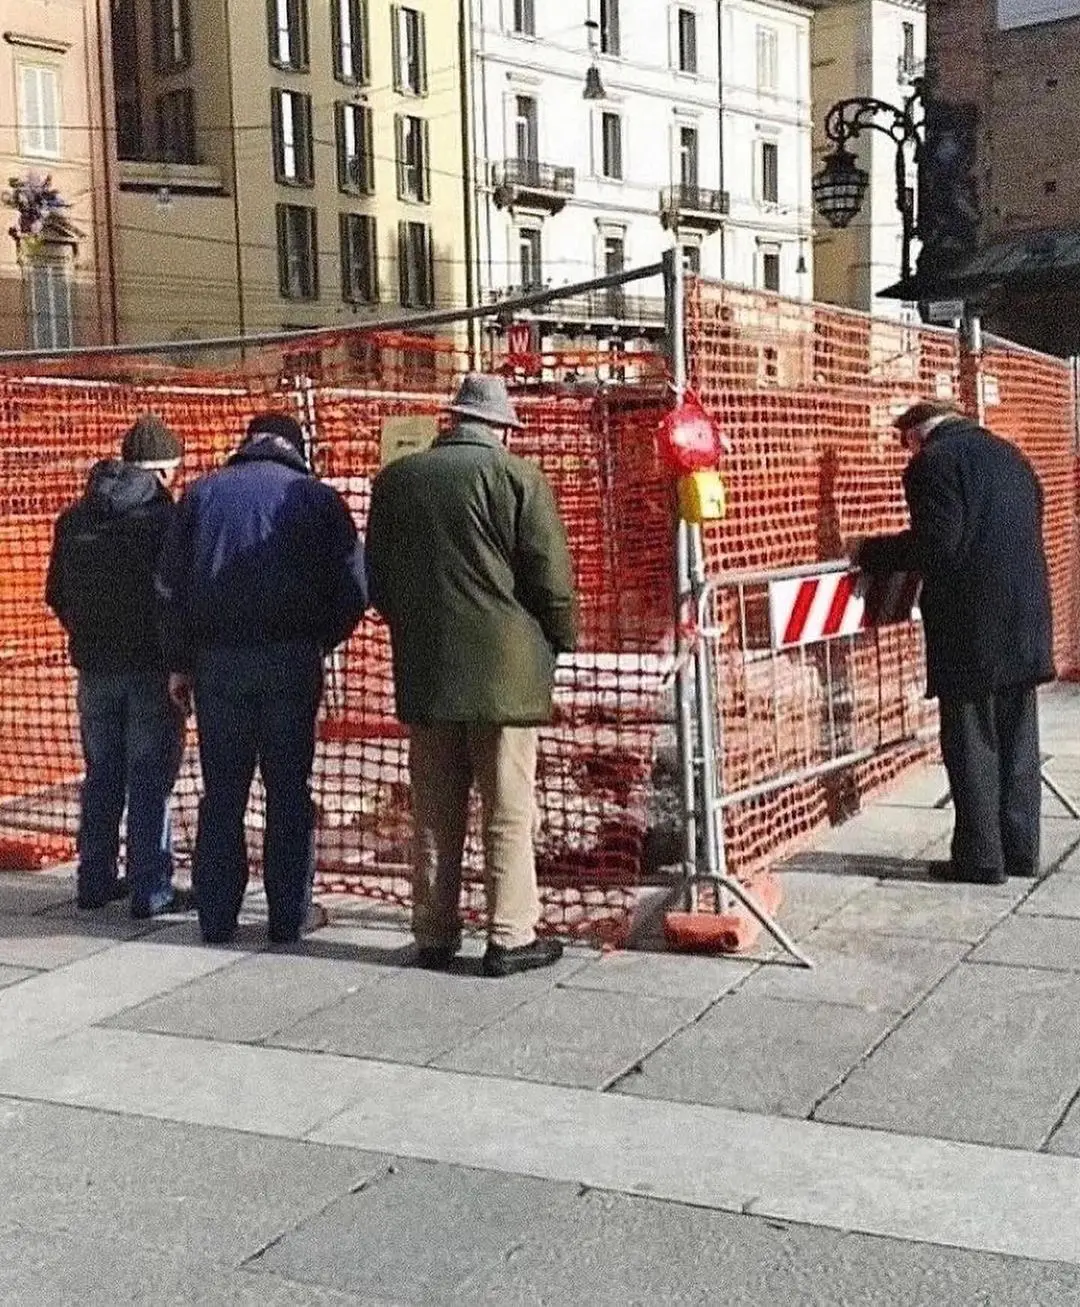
x,y
262,574
100,585
976,539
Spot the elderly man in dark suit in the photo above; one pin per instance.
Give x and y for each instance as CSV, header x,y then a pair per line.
x,y
976,539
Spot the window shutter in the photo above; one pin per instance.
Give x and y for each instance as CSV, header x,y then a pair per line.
x,y
425,172
337,7
421,54
307,165
345,257
399,151
403,263
283,251
368,148
273,44
185,32
313,252
395,43
362,39
371,250
429,267
276,134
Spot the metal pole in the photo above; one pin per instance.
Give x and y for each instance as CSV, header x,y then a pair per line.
x,y
684,721
973,341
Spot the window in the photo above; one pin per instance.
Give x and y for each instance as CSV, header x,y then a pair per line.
x,y
770,172
355,151
298,261
525,129
48,293
290,117
359,259
288,22
687,41
352,62
416,265
691,259
688,158
171,35
525,17
413,161
907,53
129,132
410,50
768,69
611,146
176,126
610,37
529,258
614,255
770,269
39,111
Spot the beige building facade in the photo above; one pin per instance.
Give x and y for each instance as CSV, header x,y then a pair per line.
x,y
55,263
286,164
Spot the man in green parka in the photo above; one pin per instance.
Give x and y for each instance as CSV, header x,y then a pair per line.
x,y
469,565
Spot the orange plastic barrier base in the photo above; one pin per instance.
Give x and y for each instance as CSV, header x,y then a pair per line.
x,y
737,931
34,852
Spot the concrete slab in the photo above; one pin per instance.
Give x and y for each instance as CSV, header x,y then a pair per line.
x,y
812,898
26,895
254,999
1060,847
1066,1137
12,975
861,1180
882,830
876,972
621,1251
132,1183
55,939
448,1224
1021,941
573,1037
990,1056
231,1086
923,787
759,1055
53,1004
1057,896
420,1014
959,912
661,975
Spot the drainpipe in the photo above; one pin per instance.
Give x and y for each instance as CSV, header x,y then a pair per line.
x,y
240,316
468,164
109,149
720,110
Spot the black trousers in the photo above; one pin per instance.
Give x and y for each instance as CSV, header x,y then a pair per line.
x,y
991,751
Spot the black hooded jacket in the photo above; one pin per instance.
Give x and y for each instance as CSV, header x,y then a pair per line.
x,y
101,571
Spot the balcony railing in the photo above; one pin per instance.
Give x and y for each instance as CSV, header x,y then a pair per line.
x,y
693,206
546,183
609,304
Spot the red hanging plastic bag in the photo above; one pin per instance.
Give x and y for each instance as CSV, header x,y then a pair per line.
x,y
688,439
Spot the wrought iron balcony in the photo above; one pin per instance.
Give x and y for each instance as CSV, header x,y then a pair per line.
x,y
701,207
528,181
608,305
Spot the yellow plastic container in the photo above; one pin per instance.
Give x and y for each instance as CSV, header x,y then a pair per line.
x,y
702,497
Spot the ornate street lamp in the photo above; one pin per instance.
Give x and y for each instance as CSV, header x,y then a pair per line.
x,y
594,87
840,187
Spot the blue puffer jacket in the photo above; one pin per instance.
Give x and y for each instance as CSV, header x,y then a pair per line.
x,y
259,551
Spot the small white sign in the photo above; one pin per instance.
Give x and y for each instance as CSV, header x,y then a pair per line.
x,y
991,391
945,310
943,385
1026,13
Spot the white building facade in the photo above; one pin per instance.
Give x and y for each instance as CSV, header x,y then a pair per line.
x,y
702,138
871,48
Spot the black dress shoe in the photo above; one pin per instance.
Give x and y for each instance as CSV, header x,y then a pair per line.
x,y
956,874
500,961
183,900
435,957
120,889
1023,873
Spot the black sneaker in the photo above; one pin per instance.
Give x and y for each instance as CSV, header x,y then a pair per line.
x,y
120,889
500,961
183,900
435,957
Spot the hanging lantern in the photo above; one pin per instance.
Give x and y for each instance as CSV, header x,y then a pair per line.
x,y
688,439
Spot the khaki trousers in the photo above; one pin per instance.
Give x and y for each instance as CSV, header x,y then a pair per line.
x,y
444,763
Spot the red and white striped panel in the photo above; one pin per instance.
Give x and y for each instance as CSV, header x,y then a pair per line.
x,y
803,610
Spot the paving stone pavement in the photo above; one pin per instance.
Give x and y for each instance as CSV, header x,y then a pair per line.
x,y
327,1125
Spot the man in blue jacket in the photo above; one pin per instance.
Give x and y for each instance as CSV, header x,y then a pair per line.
x,y
261,576
101,587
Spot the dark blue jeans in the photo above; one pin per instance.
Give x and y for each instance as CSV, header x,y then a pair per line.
x,y
133,741
256,705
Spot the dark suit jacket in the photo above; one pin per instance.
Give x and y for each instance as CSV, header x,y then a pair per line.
x,y
976,539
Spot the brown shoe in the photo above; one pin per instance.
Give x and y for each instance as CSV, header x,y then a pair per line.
x,y
500,961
